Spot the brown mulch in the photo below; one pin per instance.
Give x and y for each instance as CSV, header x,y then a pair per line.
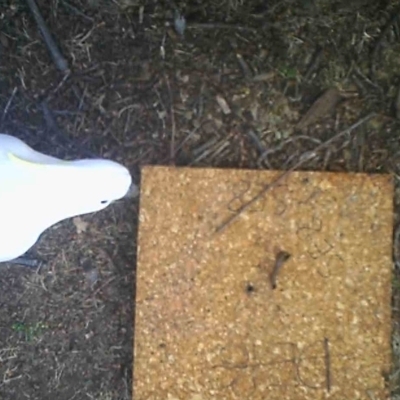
x,y
250,84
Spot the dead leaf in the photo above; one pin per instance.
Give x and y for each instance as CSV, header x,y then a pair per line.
x,y
322,107
80,225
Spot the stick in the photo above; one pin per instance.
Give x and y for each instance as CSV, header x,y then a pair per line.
x,y
173,125
216,25
55,53
281,258
8,104
327,364
307,156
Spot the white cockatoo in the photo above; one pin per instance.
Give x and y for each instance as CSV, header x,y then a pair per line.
x,y
37,191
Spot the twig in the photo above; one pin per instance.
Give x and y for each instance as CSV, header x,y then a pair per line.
x,y
281,258
247,205
50,120
256,140
217,25
359,74
55,53
58,58
76,11
203,150
243,65
173,126
307,156
327,365
314,63
219,149
212,149
188,137
58,87
7,107
94,292
264,156
80,106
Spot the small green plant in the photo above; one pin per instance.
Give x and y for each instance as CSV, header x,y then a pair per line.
x,y
30,331
288,72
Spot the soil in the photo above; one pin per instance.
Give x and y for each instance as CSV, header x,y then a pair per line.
x,y
239,83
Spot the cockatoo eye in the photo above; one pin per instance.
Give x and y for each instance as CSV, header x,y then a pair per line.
x,y
104,202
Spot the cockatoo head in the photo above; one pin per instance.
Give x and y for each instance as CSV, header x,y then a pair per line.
x,y
38,191
92,185
54,190
86,186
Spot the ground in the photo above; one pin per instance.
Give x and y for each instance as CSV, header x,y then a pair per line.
x,y
249,84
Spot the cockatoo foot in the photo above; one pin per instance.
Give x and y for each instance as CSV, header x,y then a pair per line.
x,y
25,262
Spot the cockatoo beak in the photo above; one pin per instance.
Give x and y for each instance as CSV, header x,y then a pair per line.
x,y
133,192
